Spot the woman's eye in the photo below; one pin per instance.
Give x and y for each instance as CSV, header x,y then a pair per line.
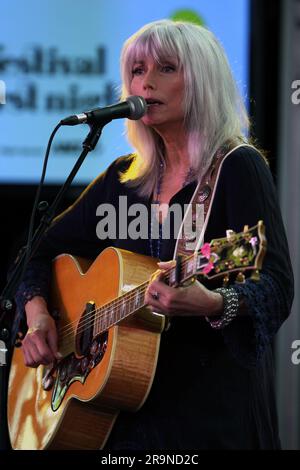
x,y
137,71
168,68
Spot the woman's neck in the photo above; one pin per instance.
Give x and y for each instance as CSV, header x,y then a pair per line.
x,y
176,155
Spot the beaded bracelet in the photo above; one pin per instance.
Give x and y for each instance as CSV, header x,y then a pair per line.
x,y
230,310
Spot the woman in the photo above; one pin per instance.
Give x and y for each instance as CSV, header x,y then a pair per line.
x,y
213,386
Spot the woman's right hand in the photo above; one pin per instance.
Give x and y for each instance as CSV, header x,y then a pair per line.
x,y
40,343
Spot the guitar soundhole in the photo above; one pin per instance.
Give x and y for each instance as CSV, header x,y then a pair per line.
x,y
73,368
85,330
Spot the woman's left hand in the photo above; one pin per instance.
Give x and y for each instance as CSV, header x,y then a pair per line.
x,y
192,300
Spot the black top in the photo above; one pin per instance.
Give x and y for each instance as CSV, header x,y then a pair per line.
x,y
212,389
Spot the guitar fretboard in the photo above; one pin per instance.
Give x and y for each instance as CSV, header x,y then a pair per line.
x,y
110,314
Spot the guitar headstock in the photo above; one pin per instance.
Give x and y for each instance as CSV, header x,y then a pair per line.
x,y
237,252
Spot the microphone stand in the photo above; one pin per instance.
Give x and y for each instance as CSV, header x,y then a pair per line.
x,y
7,304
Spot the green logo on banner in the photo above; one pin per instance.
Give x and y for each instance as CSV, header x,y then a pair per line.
x,y
188,15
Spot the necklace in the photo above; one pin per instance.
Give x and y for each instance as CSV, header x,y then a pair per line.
x,y
155,243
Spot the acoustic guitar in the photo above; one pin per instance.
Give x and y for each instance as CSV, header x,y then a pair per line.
x,y
109,341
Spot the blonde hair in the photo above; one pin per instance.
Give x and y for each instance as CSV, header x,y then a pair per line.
x,y
214,112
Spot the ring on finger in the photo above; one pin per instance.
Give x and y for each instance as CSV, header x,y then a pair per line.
x,y
155,295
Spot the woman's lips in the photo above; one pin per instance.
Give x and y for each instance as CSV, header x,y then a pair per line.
x,y
153,102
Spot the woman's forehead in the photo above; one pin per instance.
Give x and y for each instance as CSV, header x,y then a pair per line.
x,y
154,48
143,58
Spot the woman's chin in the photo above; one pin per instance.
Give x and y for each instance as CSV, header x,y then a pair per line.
x,y
150,121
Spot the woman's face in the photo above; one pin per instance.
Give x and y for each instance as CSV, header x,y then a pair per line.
x,y
163,85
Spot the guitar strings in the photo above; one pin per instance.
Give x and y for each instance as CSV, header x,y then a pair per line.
x,y
128,297
91,321
89,318
116,303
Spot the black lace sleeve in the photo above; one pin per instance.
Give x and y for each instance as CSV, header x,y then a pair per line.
x,y
36,282
249,336
72,232
246,194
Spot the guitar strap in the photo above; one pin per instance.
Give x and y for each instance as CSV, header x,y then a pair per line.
x,y
192,230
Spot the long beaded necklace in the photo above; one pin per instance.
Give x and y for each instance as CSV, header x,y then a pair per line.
x,y
155,250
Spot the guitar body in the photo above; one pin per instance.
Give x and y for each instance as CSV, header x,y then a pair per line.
x,y
109,341
113,371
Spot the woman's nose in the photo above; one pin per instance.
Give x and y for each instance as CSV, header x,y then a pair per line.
x,y
149,81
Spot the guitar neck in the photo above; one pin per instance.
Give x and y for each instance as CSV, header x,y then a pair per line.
x,y
237,252
127,304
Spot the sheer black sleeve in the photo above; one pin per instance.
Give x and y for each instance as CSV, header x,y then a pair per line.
x,y
246,194
74,232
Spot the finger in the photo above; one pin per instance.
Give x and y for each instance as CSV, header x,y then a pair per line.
x,y
45,352
153,294
30,352
29,357
157,286
52,339
167,264
157,275
40,350
157,308
152,298
26,356
156,301
40,353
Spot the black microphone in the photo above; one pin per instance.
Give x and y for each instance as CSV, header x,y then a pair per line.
x,y
133,108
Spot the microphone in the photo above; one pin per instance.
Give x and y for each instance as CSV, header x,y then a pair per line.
x,y
133,108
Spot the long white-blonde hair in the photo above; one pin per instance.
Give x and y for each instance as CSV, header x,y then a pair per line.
x,y
214,113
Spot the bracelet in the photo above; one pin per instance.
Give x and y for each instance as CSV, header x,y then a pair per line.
x,y
230,311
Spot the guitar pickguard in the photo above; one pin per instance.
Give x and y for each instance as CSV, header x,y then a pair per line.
x,y
73,368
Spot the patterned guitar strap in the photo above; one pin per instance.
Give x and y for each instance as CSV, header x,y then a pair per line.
x,y
192,230
191,233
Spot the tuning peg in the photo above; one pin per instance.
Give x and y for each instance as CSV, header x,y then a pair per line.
x,y
255,275
240,278
230,235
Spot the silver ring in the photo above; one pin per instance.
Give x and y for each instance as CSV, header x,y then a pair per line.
x,y
155,296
